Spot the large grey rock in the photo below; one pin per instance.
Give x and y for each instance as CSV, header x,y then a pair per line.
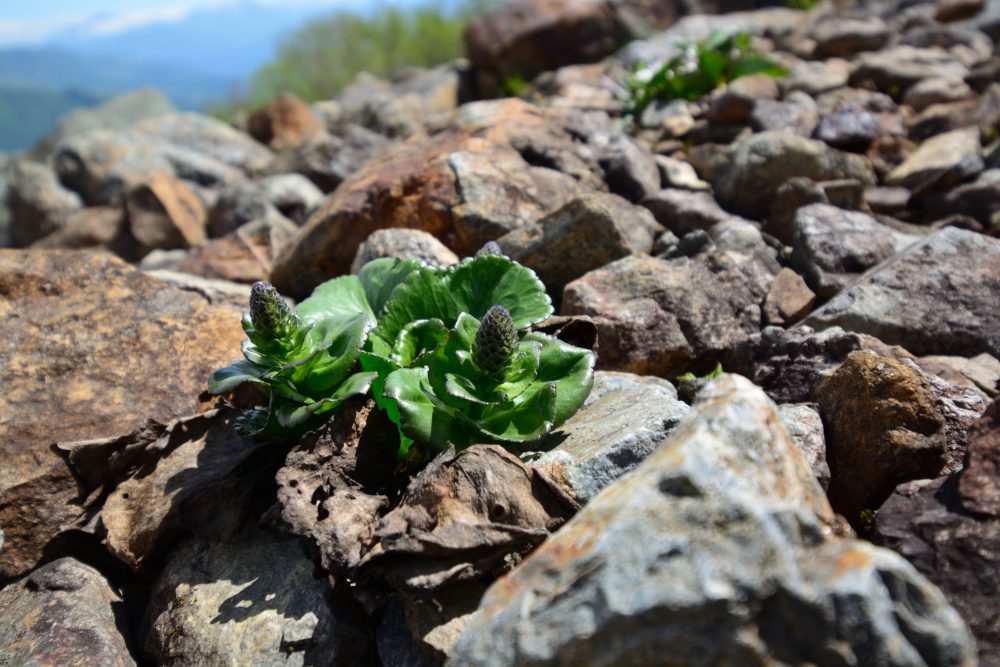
x,y
751,170
683,211
403,244
943,160
210,137
832,247
845,37
63,613
329,159
938,297
585,234
804,426
253,602
715,550
900,67
626,417
38,204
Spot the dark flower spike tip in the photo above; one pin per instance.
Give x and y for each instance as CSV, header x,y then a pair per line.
x,y
496,340
490,248
269,313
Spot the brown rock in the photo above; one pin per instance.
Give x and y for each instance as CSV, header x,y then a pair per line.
x,y
38,204
882,428
789,299
956,10
980,482
284,122
735,102
96,349
245,255
165,213
92,227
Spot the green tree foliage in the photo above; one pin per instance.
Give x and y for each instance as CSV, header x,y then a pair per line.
x,y
320,59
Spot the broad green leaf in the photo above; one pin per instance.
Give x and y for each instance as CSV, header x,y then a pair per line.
x,y
229,377
425,295
380,277
332,346
420,417
343,296
291,415
526,419
569,368
755,64
417,339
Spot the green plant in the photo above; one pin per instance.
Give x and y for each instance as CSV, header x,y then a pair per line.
x,y
445,352
711,375
801,4
701,68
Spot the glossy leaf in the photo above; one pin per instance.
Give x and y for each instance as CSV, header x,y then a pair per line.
x,y
230,377
340,297
569,368
291,415
380,277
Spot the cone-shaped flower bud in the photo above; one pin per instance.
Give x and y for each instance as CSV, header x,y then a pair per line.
x,y
269,313
491,248
495,341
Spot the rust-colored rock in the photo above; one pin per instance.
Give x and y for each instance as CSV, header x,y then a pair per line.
x,y
980,482
91,348
284,122
244,256
788,300
882,428
165,213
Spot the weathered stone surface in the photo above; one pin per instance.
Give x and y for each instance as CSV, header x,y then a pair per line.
x,y
734,102
983,369
284,122
246,255
853,119
251,602
937,297
941,161
328,160
734,552
395,643
473,182
92,227
936,91
753,169
111,348
585,234
63,613
926,522
794,194
882,428
817,77
403,244
844,37
659,317
832,247
38,204
979,200
900,67
525,38
240,204
679,174
210,137
294,195
788,300
979,485
436,624
797,114
804,426
164,213
626,417
683,211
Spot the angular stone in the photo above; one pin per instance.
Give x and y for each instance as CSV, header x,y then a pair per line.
x,y
164,213
38,204
211,137
735,102
284,122
683,211
294,195
899,67
882,428
251,602
328,160
788,300
245,255
979,200
983,369
585,234
845,37
757,165
941,161
63,613
852,120
713,551
679,174
979,485
626,417
832,247
804,426
795,115
403,244
937,297
92,227
936,91
111,348
816,77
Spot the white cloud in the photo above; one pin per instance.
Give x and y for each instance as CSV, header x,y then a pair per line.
x,y
135,18
25,32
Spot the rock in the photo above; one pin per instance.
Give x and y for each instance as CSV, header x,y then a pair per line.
x,y
845,37
899,67
678,174
395,643
165,213
583,235
937,297
403,244
944,160
118,113
793,195
628,169
240,204
284,122
660,316
887,200
804,426
816,77
328,160
795,115
674,118
436,624
936,91
624,420
882,428
525,38
683,211
959,552
499,165
96,338
580,87
955,10
734,102
788,300
294,195
252,602
853,121
757,165
246,255
717,563
979,200
38,204
833,247
93,227
217,292
983,370
63,613
978,485
210,137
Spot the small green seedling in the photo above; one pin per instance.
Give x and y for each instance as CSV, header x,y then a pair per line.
x,y
701,68
445,352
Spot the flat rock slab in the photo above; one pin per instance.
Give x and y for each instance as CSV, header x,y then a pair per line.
x,y
940,296
92,348
63,613
716,550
